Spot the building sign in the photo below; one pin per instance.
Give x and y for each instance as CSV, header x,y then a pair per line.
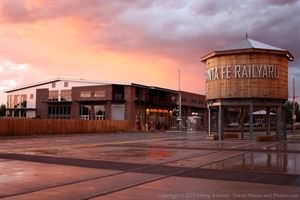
x,y
242,71
157,110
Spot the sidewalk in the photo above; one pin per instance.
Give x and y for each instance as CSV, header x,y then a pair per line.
x,y
148,166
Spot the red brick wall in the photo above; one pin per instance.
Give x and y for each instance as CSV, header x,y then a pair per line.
x,y
130,108
41,103
77,90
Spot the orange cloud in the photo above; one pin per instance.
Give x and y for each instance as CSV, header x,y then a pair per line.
x,y
135,41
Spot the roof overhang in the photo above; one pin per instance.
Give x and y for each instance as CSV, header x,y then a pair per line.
x,y
288,55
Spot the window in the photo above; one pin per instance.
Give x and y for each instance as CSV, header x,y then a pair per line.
x,y
16,101
183,99
99,93
118,93
31,96
53,95
85,94
99,111
23,97
23,102
85,111
65,95
53,85
10,101
193,101
118,97
59,111
66,84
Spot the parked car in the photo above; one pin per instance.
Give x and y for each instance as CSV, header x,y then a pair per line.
x,y
247,124
233,124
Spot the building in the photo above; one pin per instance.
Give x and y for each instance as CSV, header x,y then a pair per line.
x,y
247,76
145,107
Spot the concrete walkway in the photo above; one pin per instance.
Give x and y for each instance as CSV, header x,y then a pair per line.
x,y
148,166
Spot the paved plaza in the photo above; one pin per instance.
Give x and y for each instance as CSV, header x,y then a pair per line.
x,y
170,165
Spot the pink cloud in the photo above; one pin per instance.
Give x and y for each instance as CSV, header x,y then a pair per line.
x,y
137,41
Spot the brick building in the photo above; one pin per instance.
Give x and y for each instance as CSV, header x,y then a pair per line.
x,y
93,100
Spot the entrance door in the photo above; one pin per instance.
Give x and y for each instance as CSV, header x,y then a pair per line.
x,y
118,112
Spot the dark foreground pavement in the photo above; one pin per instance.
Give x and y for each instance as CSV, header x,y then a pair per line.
x,y
148,166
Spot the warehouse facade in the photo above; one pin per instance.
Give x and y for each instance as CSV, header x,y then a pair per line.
x,y
143,106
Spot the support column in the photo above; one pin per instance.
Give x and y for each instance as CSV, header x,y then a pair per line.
x,y
252,160
242,122
209,121
284,125
268,123
278,122
251,121
220,122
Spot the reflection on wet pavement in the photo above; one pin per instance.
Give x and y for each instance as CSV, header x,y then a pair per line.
x,y
94,165
119,154
288,163
285,147
190,144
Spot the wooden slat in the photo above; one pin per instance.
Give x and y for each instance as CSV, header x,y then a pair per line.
x,y
248,87
24,126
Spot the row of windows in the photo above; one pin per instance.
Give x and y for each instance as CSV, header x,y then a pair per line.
x,y
66,84
86,111
18,100
193,101
89,110
16,113
98,93
59,110
65,95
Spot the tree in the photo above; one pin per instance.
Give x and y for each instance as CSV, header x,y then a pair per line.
x,y
289,110
2,110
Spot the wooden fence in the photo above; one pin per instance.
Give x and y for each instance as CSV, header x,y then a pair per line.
x,y
23,126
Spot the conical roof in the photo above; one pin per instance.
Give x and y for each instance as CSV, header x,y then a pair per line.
x,y
249,45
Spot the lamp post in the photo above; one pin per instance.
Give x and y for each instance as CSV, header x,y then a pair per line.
x,y
294,112
179,102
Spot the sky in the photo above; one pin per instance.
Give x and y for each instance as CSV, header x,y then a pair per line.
x,y
135,41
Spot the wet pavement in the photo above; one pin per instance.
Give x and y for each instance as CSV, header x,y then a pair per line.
x,y
174,165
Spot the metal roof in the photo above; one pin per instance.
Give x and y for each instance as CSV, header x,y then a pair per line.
x,y
248,43
93,82
65,79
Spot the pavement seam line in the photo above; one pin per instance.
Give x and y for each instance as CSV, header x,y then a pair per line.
x,y
110,175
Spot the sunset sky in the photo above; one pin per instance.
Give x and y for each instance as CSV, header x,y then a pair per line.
x,y
137,41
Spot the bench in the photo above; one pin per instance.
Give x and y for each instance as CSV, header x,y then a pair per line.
x,y
266,138
231,135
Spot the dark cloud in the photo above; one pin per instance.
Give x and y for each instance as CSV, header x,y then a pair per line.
x,y
280,2
166,25
183,30
13,11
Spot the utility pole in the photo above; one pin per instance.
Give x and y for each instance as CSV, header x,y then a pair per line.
x,y
179,102
294,109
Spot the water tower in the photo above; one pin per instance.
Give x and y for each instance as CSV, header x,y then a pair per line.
x,y
248,75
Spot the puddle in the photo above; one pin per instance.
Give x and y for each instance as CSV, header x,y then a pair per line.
x,y
45,152
262,162
285,147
